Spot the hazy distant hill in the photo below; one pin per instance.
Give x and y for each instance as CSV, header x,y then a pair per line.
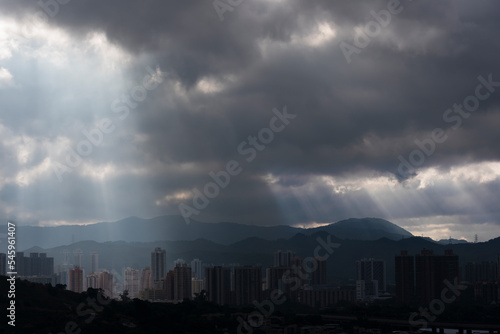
x,y
258,251
452,241
134,229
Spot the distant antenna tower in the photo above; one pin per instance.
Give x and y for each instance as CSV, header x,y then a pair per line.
x,y
449,241
475,239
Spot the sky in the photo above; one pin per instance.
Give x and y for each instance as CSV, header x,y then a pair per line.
x,y
259,112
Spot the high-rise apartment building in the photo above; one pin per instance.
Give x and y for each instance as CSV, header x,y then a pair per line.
x,y
282,258
218,284
76,279
62,275
366,289
182,282
94,262
197,285
169,286
106,283
46,265
78,258
248,285
37,264
487,292
274,278
428,271
145,282
370,278
66,260
318,276
197,269
158,267
131,282
92,281
431,271
405,277
3,264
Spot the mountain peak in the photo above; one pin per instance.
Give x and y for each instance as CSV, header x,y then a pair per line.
x,y
366,229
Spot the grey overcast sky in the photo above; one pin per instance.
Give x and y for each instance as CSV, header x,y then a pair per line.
x,y
169,91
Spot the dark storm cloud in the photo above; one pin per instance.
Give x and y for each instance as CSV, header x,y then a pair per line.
x,y
353,120
382,93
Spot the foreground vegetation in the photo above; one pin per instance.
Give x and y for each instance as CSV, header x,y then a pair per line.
x,y
46,309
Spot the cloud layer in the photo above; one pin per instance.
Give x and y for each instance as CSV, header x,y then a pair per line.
x,y
213,83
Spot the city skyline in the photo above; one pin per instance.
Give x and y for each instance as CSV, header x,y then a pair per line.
x,y
418,278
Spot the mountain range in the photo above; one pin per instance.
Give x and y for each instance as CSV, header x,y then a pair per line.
x,y
117,255
174,228
129,242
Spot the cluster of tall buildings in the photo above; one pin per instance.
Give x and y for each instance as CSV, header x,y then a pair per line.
x,y
36,267
419,278
102,280
39,268
303,280
78,280
37,264
423,277
300,280
180,283
239,285
485,271
484,278
175,285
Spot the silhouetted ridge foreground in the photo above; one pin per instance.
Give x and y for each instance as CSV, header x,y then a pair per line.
x,y
46,309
